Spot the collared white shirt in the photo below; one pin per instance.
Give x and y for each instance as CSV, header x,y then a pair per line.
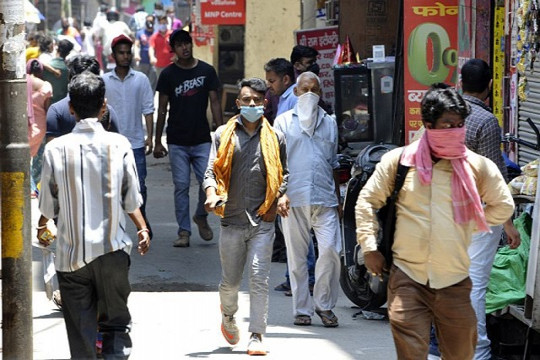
x,y
130,99
311,160
89,179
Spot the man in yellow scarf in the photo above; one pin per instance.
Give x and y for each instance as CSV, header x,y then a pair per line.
x,y
246,174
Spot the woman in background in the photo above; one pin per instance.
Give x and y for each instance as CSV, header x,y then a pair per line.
x,y
39,99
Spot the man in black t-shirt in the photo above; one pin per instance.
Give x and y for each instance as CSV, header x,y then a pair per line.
x,y
186,85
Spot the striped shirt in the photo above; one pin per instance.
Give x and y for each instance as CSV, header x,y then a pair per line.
x,y
89,179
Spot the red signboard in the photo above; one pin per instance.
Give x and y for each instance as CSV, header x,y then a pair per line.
x,y
325,41
223,12
431,56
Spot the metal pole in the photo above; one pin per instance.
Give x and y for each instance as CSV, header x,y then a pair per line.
x,y
14,187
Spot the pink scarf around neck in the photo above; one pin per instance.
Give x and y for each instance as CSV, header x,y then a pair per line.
x,y
449,144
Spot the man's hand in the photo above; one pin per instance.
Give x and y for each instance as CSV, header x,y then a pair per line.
x,y
211,201
159,151
271,214
149,145
153,60
374,262
512,234
144,241
40,240
283,206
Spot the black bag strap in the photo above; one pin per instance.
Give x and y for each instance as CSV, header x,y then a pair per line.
x,y
390,213
401,174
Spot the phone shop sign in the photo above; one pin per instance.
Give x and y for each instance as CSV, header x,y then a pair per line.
x,y
223,12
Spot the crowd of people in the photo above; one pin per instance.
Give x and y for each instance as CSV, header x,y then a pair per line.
x,y
91,126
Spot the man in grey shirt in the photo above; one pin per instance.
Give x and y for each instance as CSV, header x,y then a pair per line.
x,y
247,147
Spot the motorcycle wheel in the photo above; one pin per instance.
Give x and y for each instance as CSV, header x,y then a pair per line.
x,y
357,289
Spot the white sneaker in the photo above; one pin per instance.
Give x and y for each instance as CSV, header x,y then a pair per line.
x,y
229,329
255,345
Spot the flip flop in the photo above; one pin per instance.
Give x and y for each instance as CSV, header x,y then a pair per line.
x,y
302,320
329,319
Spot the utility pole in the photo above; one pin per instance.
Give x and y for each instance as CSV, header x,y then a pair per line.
x,y
14,187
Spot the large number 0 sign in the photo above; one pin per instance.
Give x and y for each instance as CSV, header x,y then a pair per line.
x,y
428,68
430,30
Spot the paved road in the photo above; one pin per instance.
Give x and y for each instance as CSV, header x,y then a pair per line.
x,y
175,305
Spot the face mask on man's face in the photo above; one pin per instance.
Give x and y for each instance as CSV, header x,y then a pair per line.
x,y
307,111
252,113
159,12
162,27
149,25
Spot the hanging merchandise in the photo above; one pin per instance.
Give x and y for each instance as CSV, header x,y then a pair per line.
x,y
527,43
498,63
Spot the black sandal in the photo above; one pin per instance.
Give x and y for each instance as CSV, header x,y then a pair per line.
x,y
329,319
302,320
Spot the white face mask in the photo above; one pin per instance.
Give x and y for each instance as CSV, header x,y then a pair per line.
x,y
307,110
162,27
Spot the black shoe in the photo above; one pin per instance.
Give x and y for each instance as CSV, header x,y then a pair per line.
x,y
284,286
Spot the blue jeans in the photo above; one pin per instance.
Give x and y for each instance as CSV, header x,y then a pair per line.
x,y
182,158
140,162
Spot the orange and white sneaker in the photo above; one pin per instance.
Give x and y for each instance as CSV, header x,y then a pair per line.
x,y
255,345
229,329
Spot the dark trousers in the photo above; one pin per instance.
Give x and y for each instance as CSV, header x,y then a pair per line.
x,y
413,307
94,298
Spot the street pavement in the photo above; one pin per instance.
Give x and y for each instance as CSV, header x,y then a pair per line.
x,y
175,304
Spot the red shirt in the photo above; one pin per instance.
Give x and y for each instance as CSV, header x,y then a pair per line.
x,y
162,50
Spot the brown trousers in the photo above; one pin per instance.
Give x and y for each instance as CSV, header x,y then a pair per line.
x,y
413,307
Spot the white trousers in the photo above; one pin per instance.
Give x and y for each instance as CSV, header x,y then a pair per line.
x,y
482,253
296,228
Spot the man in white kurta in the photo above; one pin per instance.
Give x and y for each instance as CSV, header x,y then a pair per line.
x,y
312,141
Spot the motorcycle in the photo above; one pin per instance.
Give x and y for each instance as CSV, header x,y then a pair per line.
x,y
353,279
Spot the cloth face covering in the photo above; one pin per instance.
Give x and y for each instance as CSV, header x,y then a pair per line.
x,y
307,110
449,144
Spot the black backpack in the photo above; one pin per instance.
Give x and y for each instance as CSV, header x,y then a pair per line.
x,y
353,278
363,168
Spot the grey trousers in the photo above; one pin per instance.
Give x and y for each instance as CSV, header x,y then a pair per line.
x,y
238,246
95,298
